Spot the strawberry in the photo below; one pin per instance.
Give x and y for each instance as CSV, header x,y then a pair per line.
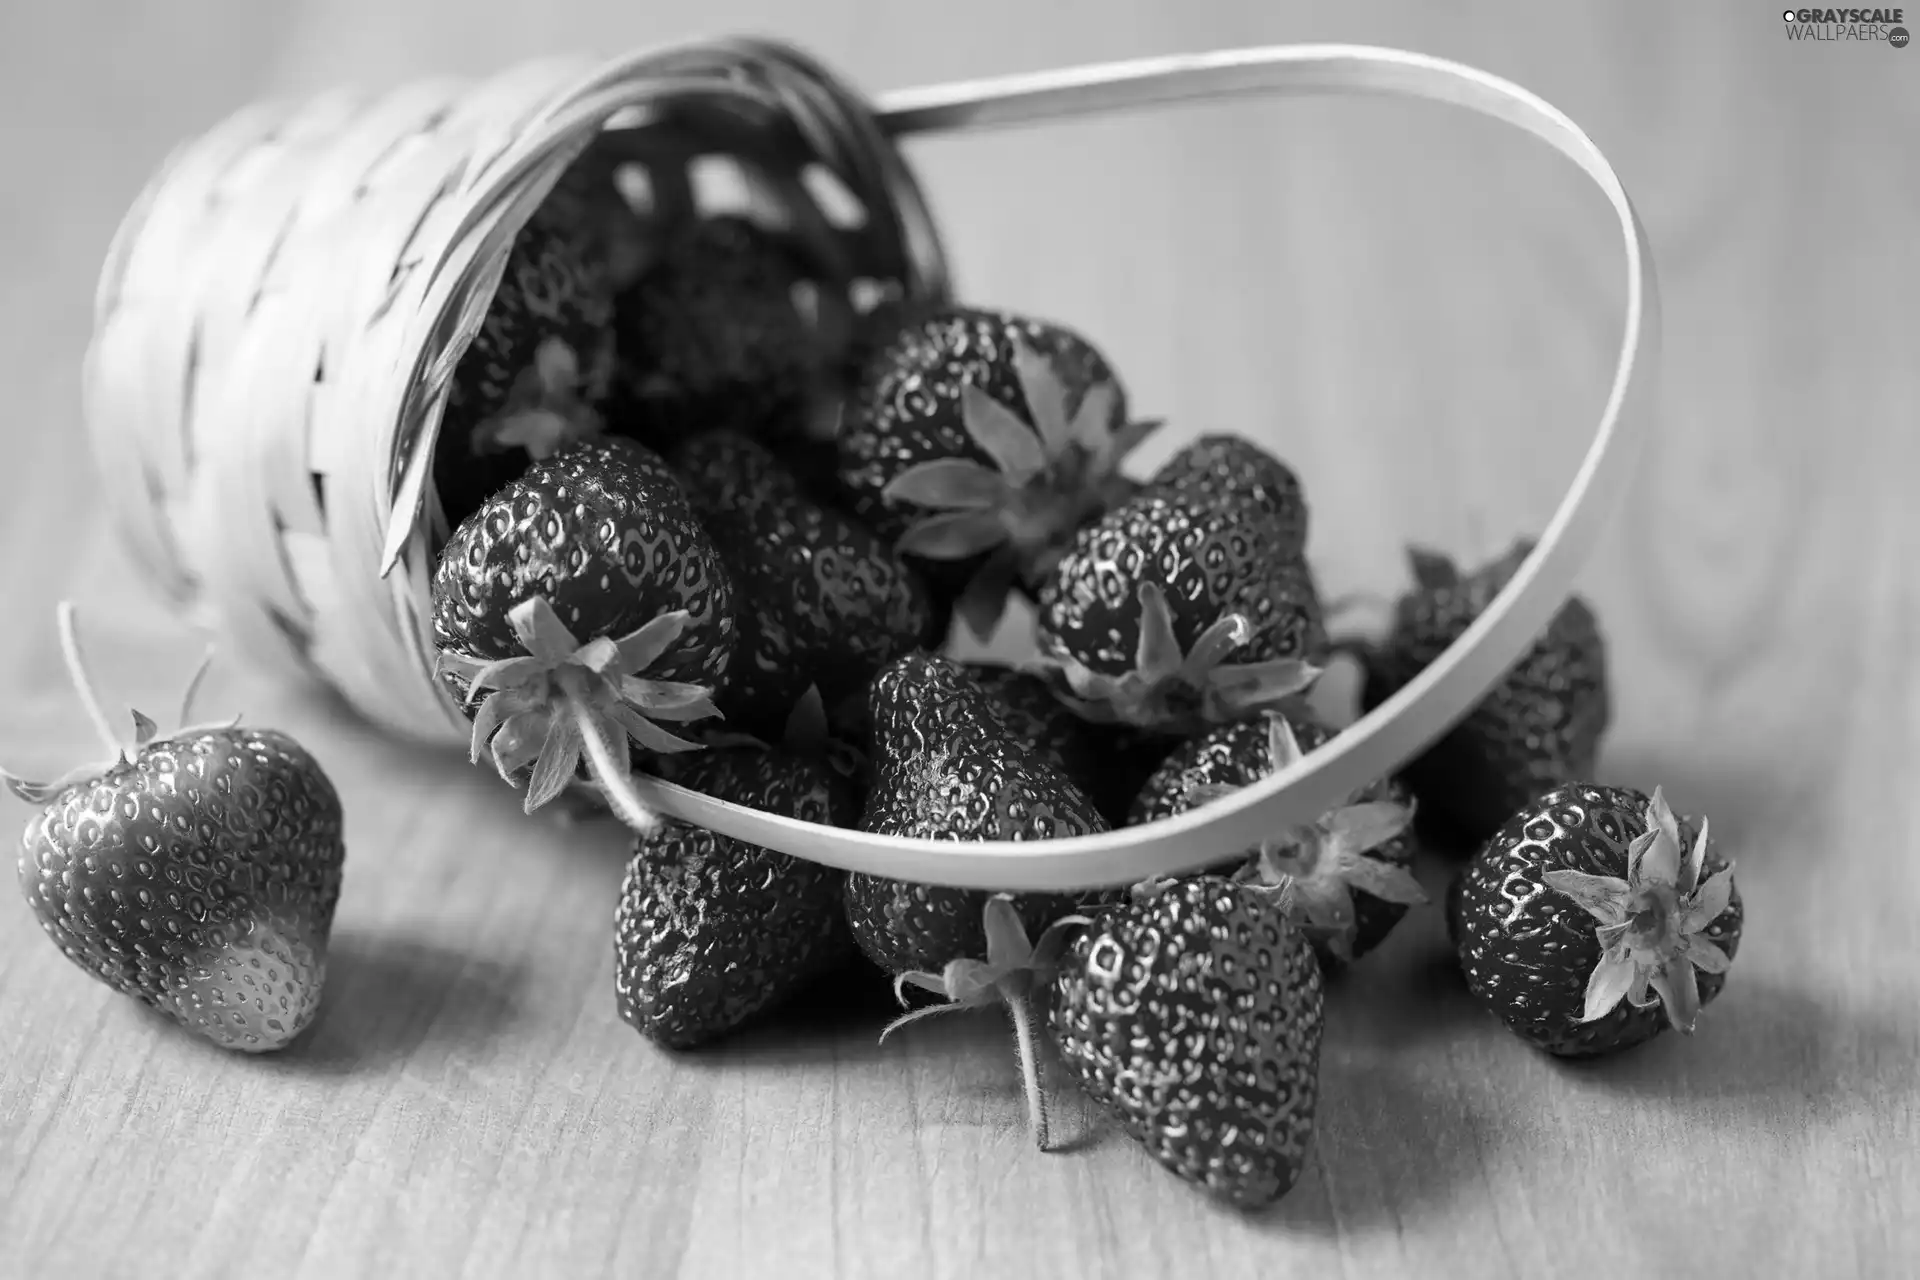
x,y
981,441
1224,468
714,333
1539,728
197,871
1194,1015
586,602
1139,619
820,600
1015,974
711,931
1350,870
536,371
1108,762
945,770
1580,903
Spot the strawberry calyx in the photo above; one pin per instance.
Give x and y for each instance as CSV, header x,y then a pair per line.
x,y
1043,481
121,750
546,408
1327,860
564,701
1015,970
1177,691
1653,924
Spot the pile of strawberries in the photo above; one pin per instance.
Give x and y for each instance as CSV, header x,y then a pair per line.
x,y
692,531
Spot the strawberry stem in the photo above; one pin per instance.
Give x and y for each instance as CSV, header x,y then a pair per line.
x,y
615,782
1020,1010
76,660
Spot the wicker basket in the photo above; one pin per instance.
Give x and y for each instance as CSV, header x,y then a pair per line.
x,y
279,318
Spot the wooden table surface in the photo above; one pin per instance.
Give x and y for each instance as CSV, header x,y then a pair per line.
x,y
1416,308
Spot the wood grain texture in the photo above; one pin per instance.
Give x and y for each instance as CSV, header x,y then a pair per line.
x,y
1418,309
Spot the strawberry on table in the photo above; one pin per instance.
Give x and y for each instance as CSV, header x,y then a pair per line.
x,y
1539,728
1187,605
1582,923
981,441
538,369
196,870
819,599
580,606
711,931
1351,869
944,770
1194,1015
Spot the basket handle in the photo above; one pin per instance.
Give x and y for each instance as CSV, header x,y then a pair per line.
x,y
1437,698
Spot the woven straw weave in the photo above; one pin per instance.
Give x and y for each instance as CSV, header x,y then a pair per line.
x,y
280,316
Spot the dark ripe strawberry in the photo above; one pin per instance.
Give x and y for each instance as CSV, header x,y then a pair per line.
x,y
1582,922
821,601
712,931
197,872
1540,727
1108,762
713,334
1182,607
532,381
981,441
945,770
1351,868
1233,469
1194,1015
585,601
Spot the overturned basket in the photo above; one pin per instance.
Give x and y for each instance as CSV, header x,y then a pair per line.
x,y
280,316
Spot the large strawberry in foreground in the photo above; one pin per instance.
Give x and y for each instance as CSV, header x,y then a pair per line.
x,y
196,871
1194,1015
1595,919
576,609
1537,729
1189,604
982,441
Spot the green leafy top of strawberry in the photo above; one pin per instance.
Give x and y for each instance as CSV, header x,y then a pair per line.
x,y
1015,968
121,750
563,699
1172,690
1327,859
1653,924
1045,480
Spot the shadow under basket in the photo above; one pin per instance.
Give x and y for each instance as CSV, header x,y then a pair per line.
x,y
281,314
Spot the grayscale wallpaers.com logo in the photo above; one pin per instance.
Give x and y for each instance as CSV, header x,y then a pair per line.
x,y
1847,24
